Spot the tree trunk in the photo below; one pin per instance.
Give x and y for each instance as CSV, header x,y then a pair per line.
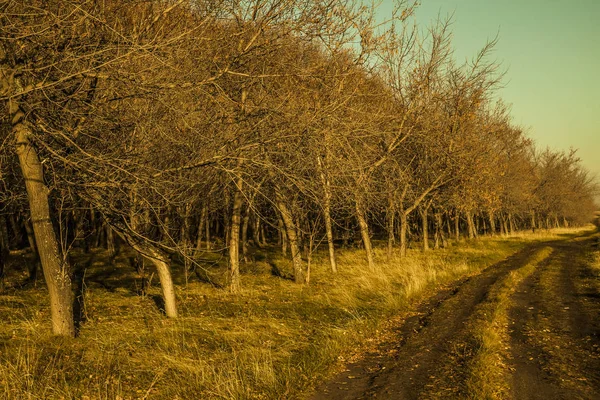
x,y
403,229
263,234
245,223
282,238
201,223
492,223
207,230
161,261
391,224
33,266
4,249
440,240
346,234
457,225
448,220
470,225
327,213
424,211
292,236
56,270
111,246
256,230
234,239
364,232
17,237
504,226
329,233
226,221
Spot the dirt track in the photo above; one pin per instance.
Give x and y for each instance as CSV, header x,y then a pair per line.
x,y
553,350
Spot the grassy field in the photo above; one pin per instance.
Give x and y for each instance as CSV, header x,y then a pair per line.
x,y
275,340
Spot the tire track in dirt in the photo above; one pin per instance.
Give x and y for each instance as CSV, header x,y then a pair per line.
x,y
555,329
434,343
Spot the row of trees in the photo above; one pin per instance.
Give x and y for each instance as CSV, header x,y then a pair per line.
x,y
194,126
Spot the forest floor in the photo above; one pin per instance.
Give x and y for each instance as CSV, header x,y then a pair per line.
x,y
527,327
432,324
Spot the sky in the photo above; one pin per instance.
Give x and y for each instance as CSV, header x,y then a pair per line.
x,y
551,51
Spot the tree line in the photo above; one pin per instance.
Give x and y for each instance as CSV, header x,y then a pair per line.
x,y
185,127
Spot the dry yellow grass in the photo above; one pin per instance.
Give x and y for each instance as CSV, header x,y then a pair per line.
x,y
272,341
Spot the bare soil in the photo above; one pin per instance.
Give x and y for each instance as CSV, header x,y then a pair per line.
x,y
554,329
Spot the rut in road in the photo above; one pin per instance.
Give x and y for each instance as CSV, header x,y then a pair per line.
x,y
432,349
555,332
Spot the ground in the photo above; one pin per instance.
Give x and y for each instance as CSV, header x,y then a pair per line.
x,y
488,318
540,305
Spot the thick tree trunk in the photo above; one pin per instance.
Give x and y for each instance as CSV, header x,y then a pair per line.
x,y
470,224
56,270
166,282
292,236
364,232
33,267
234,240
160,260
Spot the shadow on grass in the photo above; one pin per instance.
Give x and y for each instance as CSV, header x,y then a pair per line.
x,y
79,315
159,302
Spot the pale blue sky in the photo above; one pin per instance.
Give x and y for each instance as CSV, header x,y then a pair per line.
x,y
551,49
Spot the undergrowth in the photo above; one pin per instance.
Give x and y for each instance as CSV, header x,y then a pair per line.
x,y
275,340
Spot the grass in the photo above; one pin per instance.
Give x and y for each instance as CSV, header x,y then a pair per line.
x,y
275,340
488,373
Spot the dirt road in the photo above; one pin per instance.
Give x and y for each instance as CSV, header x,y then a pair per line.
x,y
551,346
